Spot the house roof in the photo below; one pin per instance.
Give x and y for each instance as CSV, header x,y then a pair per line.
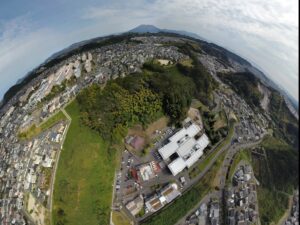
x,y
167,150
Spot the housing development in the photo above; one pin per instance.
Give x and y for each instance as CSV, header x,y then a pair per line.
x,y
205,168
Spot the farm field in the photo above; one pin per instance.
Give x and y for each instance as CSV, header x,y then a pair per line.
x,y
84,177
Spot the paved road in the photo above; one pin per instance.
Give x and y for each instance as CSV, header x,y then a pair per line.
x,y
112,199
206,199
233,149
229,156
56,164
66,114
119,197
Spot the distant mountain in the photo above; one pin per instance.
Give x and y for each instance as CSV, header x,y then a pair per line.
x,y
145,28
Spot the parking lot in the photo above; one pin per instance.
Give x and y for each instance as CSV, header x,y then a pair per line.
x,y
127,187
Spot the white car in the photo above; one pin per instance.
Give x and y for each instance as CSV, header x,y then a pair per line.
x,y
182,180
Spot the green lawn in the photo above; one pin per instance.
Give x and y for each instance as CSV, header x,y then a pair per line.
x,y
36,130
119,218
243,154
59,116
84,177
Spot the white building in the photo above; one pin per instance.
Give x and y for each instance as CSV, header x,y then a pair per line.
x,y
185,146
165,196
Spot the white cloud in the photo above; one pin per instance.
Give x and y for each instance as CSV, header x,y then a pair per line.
x,y
22,48
265,32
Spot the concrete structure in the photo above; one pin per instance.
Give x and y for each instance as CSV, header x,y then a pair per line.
x,y
135,206
165,196
148,171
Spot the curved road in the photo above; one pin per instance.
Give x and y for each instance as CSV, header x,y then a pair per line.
x,y
56,163
232,150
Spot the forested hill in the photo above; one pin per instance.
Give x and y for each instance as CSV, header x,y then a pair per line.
x,y
136,99
284,123
245,84
221,53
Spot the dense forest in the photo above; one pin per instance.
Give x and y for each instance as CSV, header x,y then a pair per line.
x,y
205,83
278,171
143,97
112,110
278,176
245,85
136,99
285,124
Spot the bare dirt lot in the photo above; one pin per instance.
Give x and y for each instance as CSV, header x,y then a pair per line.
x,y
39,213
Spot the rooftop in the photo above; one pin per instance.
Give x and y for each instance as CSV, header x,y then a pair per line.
x,y
186,146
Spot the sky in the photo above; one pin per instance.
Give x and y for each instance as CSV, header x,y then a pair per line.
x,y
265,32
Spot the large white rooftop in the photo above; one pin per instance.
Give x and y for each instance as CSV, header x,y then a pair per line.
x,y
167,150
188,148
177,166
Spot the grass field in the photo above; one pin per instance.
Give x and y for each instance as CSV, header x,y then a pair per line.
x,y
196,104
187,62
267,199
84,177
120,218
243,154
36,130
220,120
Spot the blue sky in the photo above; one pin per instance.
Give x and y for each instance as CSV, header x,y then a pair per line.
x,y
264,32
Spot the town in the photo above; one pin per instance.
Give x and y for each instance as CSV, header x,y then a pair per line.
x,y
24,163
150,176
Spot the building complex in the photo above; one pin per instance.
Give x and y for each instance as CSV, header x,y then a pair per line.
x,y
184,148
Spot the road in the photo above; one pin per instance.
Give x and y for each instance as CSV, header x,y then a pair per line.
x,y
200,175
287,213
56,163
233,149
229,156
203,200
112,199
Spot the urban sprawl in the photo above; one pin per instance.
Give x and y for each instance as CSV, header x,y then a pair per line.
x,y
142,184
